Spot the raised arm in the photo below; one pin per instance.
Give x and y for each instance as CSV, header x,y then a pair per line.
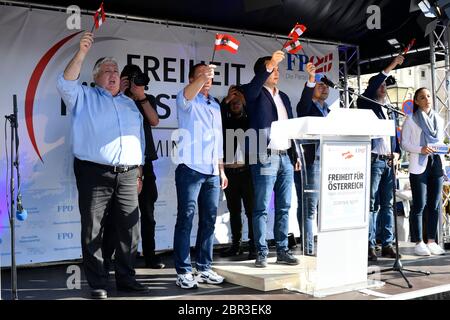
x,y
372,88
204,74
73,69
253,89
305,104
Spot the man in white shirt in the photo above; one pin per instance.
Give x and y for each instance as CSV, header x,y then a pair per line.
x,y
383,158
274,168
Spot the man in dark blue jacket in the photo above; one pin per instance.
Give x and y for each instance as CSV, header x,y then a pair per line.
x,y
383,158
272,169
312,104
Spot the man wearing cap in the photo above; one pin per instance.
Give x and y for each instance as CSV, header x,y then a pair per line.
x,y
382,160
108,145
312,104
273,165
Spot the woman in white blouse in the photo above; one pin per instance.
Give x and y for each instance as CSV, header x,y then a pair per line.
x,y
422,134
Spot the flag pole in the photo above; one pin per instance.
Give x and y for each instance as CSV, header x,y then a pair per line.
x,y
214,50
285,44
288,39
93,26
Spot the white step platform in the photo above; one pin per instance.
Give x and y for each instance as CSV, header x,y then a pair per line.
x,y
274,277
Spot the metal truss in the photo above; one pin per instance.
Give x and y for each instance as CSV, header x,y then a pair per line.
x,y
348,59
440,88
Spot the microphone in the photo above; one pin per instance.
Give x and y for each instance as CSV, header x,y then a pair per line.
x,y
328,82
15,111
21,213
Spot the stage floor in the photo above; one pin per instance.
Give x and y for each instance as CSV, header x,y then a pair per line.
x,y
50,282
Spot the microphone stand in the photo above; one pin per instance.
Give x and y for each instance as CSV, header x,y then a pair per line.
x,y
12,118
398,266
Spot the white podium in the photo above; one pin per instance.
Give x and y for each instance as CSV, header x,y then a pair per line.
x,y
344,203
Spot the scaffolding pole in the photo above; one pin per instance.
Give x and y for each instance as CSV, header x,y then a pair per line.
x,y
440,80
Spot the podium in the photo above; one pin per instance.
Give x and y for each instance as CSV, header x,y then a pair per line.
x,y
344,187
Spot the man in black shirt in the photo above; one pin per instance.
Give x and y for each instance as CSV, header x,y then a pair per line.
x,y
240,186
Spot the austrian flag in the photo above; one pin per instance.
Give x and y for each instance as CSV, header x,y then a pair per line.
x,y
297,31
99,16
292,46
226,42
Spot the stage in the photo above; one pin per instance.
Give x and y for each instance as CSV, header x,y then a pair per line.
x,y
50,282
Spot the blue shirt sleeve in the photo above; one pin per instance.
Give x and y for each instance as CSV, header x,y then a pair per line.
x,y
183,103
71,91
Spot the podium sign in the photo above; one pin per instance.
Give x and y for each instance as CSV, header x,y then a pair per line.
x,y
345,178
342,239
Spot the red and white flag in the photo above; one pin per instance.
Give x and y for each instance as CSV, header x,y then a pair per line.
x,y
292,46
297,31
409,46
99,17
226,42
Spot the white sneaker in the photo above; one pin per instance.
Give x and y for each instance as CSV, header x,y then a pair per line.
x,y
421,249
210,277
435,249
186,281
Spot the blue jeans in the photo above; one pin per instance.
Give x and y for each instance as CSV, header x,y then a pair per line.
x,y
312,201
194,187
381,182
276,175
426,190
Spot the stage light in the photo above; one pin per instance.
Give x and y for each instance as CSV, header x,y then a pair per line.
x,y
428,10
431,13
393,42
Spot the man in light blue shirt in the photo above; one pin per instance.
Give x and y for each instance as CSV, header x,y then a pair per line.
x,y
108,145
198,177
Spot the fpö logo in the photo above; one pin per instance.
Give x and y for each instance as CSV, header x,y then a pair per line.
x,y
65,236
298,62
347,155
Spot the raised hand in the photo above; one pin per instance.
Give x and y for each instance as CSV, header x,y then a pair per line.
x,y
398,60
86,42
277,57
311,71
124,84
207,72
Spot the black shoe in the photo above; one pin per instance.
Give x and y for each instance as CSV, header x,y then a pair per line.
x,y
154,263
99,294
261,260
372,256
389,252
232,251
108,264
133,286
286,257
252,254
